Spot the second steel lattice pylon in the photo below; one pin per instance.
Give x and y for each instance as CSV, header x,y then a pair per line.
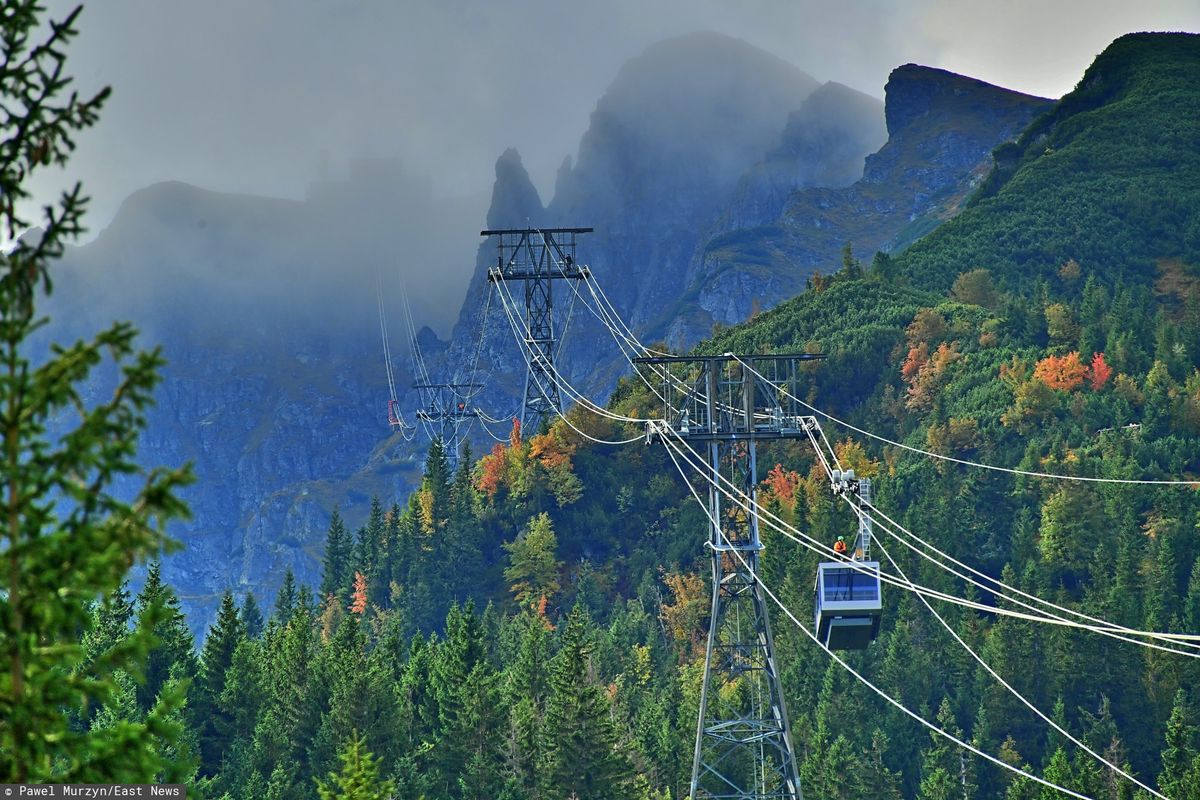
x,y
744,747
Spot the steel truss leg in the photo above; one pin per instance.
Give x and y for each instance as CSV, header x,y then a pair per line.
x,y
743,739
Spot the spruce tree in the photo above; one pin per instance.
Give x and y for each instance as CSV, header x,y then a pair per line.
x,y
437,482
367,551
173,655
457,657
252,618
478,727
418,716
1191,603
946,772
533,568
109,624
286,600
359,777
121,706
462,564
288,719
335,577
358,689
525,692
240,704
68,537
108,628
585,757
1181,745
211,723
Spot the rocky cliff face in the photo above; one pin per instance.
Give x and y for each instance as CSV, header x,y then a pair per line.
x,y
274,388
942,129
824,144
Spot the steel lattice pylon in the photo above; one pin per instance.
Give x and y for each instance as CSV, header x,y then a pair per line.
x,y
537,257
744,745
447,415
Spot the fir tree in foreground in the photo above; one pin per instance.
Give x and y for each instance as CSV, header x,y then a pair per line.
x,y
585,757
68,539
359,778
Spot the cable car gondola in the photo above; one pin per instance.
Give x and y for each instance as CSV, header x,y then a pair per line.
x,y
848,605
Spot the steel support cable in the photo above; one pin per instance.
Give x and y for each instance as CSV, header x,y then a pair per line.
x,y
407,432
566,387
623,336
1187,640
740,499
415,347
387,351
1040,615
484,427
622,341
470,395
555,376
629,331
562,339
621,331
822,550
422,372
965,462
486,417
861,678
950,629
1105,628
614,323
695,461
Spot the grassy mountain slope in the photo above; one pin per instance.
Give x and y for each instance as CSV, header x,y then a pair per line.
x,y
1108,177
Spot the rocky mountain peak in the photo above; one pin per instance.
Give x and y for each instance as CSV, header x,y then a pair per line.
x,y
914,92
515,200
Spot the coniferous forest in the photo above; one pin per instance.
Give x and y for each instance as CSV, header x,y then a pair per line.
x,y
532,624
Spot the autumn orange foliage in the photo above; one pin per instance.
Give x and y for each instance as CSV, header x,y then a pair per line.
x,y
551,451
928,376
358,599
1099,372
1065,373
491,471
917,357
783,484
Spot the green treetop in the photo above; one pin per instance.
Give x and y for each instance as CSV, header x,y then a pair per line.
x,y
585,758
68,539
533,568
359,778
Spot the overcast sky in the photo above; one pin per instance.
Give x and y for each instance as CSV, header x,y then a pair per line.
x,y
259,96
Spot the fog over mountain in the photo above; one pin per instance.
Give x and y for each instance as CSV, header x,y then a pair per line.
x,y
261,98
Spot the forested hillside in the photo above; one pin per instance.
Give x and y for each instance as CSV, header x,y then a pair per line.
x,y
532,626
1107,178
